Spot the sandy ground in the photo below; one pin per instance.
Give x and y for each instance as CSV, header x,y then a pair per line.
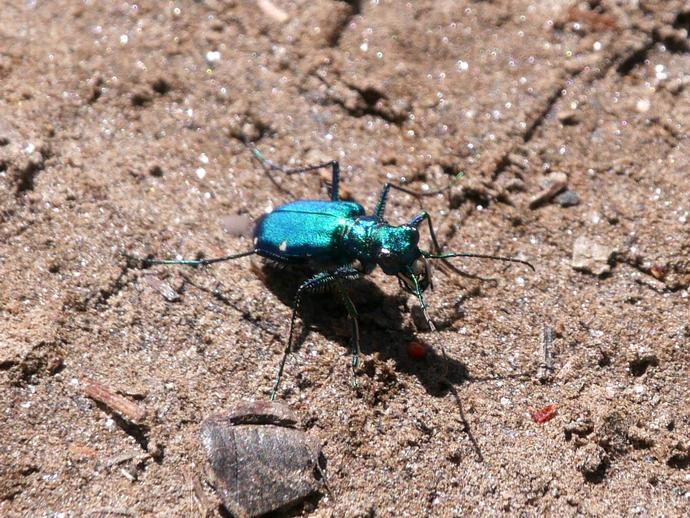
x,y
121,131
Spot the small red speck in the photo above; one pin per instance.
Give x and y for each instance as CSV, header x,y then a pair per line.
x,y
416,350
544,414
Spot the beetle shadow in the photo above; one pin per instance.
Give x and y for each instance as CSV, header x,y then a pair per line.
x,y
382,328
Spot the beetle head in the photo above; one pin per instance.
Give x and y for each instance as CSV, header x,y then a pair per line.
x,y
399,255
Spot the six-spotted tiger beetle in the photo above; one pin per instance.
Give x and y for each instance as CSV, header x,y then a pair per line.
x,y
341,243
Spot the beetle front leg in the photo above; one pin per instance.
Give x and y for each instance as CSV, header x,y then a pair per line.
x,y
425,216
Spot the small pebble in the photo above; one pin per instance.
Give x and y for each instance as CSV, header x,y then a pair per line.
x,y
567,198
168,293
659,271
237,225
213,56
591,460
581,426
162,287
554,184
591,257
272,11
643,105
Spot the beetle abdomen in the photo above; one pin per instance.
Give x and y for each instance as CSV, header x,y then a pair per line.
x,y
306,231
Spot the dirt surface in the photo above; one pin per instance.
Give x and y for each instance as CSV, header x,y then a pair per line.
x,y
121,130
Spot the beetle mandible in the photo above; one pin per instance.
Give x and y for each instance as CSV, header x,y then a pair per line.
x,y
341,243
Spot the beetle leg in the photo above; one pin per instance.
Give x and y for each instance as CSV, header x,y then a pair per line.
x,y
197,262
333,164
381,204
318,281
425,216
383,198
352,313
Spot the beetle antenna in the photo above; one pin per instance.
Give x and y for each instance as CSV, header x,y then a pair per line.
x,y
479,256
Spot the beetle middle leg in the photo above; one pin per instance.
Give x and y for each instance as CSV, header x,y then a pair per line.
x,y
333,164
352,313
319,281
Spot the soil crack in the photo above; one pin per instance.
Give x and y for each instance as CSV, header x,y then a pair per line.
x,y
624,58
341,27
362,100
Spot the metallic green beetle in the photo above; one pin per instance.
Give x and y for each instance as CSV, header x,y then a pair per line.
x,y
340,243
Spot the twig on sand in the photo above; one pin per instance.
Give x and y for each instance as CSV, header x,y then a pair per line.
x,y
114,402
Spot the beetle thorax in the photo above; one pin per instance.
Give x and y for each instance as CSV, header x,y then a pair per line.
x,y
371,242
358,245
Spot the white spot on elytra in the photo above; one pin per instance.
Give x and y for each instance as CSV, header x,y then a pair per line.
x,y
256,240
283,246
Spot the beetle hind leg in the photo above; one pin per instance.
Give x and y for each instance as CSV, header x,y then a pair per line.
x,y
197,262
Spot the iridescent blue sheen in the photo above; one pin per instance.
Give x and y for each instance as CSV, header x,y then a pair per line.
x,y
307,231
334,233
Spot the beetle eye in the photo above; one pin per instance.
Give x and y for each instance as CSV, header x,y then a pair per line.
x,y
415,236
